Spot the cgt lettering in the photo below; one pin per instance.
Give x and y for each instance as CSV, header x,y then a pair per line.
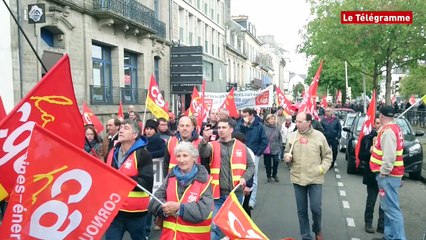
x,y
61,209
155,92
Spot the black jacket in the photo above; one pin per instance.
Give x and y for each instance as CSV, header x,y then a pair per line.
x,y
369,177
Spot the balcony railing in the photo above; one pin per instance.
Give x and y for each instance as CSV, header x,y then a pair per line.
x,y
104,95
133,11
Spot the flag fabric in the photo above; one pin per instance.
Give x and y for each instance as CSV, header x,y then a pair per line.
x,y
202,113
229,104
52,105
90,118
66,193
283,101
155,101
412,100
120,113
308,103
339,96
424,99
324,103
195,102
367,126
2,110
234,222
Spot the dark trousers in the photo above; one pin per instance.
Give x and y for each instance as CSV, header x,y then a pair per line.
x,y
372,192
134,225
246,204
313,194
333,143
269,160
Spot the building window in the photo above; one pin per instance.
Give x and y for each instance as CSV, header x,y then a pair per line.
x,y
129,93
157,61
47,36
101,92
208,71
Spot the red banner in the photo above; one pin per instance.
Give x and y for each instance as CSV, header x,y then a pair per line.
x,y
283,101
229,104
52,105
195,104
324,103
234,222
308,102
90,118
62,193
366,126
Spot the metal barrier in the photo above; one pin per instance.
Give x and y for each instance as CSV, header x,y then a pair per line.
x,y
416,118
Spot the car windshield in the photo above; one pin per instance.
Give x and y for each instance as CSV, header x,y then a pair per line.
x,y
349,120
403,124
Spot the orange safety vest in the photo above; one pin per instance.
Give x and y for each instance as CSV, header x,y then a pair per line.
x,y
377,154
238,164
171,148
137,201
177,228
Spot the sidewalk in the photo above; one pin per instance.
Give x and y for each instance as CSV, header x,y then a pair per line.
x,y
422,140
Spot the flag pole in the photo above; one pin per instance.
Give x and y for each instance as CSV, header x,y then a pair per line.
x,y
144,112
150,194
408,109
25,35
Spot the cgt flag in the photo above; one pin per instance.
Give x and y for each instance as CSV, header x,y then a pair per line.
x,y
2,110
234,222
283,101
155,101
90,118
366,126
229,104
62,192
120,113
52,105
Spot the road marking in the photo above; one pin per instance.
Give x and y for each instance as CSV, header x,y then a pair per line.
x,y
342,193
350,222
355,239
346,204
338,176
336,169
340,184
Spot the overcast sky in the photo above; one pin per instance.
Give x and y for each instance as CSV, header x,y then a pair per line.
x,y
281,18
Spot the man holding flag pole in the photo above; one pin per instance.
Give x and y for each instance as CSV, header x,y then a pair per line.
x,y
130,157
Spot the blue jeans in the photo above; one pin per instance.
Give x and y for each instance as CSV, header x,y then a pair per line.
x,y
394,221
252,201
216,233
314,193
148,224
134,225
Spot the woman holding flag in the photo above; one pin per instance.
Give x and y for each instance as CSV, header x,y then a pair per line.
x,y
187,197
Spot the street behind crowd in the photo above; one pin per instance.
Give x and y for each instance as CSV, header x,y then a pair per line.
x,y
343,206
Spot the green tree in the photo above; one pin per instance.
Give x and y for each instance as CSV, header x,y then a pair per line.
x,y
368,49
297,91
414,83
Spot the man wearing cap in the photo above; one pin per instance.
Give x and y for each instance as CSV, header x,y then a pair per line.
x,y
387,162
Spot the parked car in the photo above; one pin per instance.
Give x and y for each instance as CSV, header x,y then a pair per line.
x,y
342,112
412,154
347,122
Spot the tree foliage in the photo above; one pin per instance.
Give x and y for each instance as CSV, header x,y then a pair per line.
x,y
414,83
370,49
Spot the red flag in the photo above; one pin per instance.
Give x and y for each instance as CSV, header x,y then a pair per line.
x,y
2,110
195,102
366,126
202,113
324,103
90,118
120,113
339,96
155,101
234,221
51,104
308,102
66,193
229,104
412,100
283,101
